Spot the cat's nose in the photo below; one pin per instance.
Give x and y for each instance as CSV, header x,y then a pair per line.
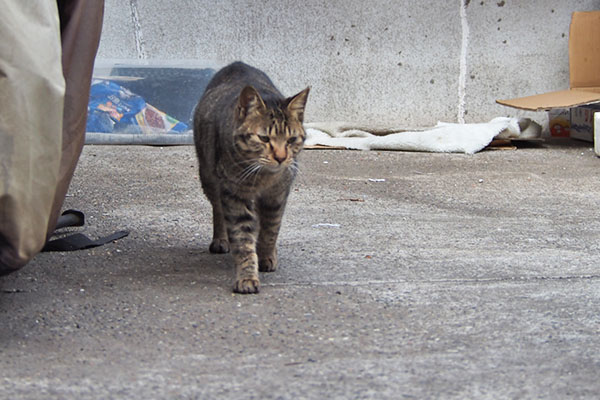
x,y
279,159
280,155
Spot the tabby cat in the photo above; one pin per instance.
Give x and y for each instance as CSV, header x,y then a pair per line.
x,y
247,137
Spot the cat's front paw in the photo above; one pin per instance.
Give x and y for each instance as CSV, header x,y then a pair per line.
x,y
219,246
247,286
268,264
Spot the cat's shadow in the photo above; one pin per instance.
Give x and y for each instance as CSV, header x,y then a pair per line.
x,y
180,266
110,271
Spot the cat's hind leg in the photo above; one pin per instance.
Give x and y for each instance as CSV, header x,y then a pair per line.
x,y
220,241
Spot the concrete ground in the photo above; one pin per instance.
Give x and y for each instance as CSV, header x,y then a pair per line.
x,y
456,277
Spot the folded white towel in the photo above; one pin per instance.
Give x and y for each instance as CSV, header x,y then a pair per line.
x,y
444,137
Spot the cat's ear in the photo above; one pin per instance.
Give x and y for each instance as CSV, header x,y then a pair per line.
x,y
297,103
249,103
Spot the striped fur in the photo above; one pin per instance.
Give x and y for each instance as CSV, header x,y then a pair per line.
x,y
247,138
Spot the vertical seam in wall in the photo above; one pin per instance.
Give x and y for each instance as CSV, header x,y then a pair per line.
x,y
137,30
462,78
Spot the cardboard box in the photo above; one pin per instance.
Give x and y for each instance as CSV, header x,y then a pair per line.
x,y
584,69
582,122
559,122
577,122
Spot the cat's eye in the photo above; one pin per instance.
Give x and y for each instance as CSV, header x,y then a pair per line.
x,y
264,138
291,140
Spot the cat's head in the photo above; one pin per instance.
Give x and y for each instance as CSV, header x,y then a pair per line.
x,y
270,131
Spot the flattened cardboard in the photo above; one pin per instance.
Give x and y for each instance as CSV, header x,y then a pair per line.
x,y
584,69
560,99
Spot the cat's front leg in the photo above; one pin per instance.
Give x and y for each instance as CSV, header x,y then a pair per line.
x,y
242,229
270,211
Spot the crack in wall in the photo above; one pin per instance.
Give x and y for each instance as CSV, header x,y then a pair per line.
x,y
462,78
137,30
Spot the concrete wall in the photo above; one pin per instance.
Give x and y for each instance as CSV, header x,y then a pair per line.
x,y
391,62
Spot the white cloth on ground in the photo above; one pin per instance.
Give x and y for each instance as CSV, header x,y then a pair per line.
x,y
444,137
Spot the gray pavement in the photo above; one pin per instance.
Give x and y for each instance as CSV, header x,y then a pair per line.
x,y
456,277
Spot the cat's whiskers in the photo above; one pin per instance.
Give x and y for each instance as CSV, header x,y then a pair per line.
x,y
264,161
252,169
293,168
244,163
